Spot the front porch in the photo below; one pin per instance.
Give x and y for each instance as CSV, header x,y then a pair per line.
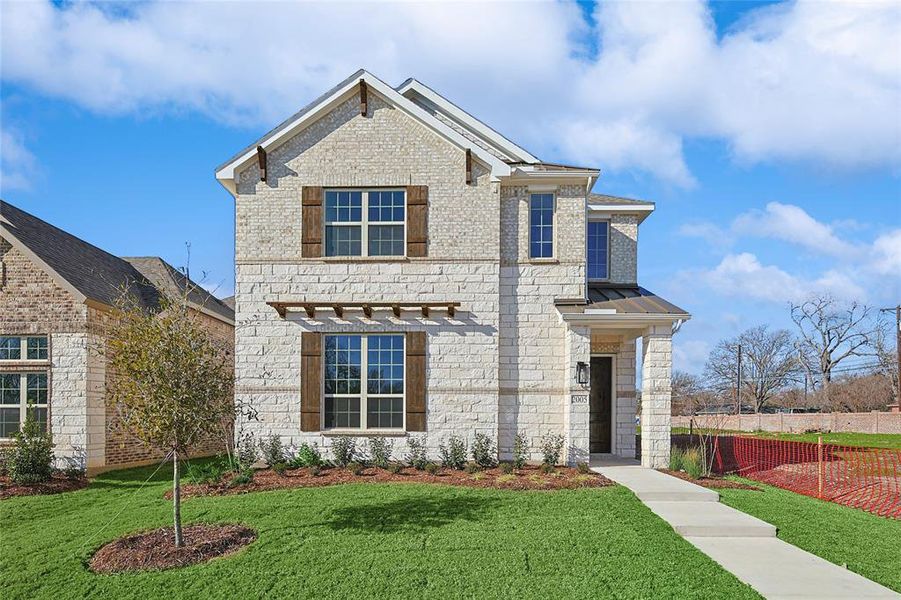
x,y
602,374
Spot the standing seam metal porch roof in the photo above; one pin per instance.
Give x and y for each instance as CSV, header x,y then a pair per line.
x,y
625,299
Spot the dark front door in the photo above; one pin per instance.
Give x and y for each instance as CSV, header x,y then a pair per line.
x,y
600,416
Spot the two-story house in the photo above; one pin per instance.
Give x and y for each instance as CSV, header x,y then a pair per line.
x,y
403,269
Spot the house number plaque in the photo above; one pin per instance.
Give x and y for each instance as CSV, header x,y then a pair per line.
x,y
580,398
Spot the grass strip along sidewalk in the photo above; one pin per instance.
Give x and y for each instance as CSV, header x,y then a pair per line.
x,y
364,541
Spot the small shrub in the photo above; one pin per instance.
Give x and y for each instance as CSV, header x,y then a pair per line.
x,y
344,450
506,468
520,451
243,477
535,478
280,468
5,457
380,450
676,458
505,478
551,446
472,468
477,476
484,452
582,479
692,464
453,456
272,450
583,468
355,468
31,458
416,454
432,468
315,470
395,468
73,473
546,468
207,472
307,456
246,452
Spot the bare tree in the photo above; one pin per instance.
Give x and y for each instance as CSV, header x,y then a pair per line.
x,y
685,389
831,331
769,364
887,354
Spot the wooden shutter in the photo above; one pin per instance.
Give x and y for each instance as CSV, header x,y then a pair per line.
x,y
417,220
310,381
416,381
311,222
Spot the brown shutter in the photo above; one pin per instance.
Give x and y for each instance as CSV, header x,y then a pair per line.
x,y
310,381
311,222
417,220
416,381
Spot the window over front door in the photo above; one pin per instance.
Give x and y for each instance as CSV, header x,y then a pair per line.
x,y
365,222
598,246
364,382
21,393
541,226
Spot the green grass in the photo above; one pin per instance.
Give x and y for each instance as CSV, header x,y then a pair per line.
x,y
364,541
867,544
868,440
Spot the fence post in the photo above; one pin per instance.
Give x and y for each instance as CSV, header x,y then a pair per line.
x,y
819,466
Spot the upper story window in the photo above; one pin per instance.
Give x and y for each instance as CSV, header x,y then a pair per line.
x,y
364,382
365,222
598,239
541,226
33,347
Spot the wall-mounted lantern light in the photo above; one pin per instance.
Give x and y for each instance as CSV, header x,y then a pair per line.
x,y
582,372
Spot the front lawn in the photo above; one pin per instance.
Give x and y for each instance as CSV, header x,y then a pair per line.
x,y
364,541
867,544
867,440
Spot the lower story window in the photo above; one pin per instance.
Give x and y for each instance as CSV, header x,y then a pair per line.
x,y
364,382
21,394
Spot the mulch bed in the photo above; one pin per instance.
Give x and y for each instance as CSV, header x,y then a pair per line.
x,y
155,550
58,483
714,483
528,478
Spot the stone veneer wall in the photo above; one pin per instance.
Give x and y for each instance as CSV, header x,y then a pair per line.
x,y
623,249
384,148
656,385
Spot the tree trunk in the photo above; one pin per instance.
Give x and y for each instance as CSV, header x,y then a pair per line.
x,y
176,499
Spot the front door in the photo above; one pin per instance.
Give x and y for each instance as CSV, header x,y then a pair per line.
x,y
600,418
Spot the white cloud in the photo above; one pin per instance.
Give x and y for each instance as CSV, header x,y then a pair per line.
x,y
689,355
885,257
17,164
713,234
807,81
793,224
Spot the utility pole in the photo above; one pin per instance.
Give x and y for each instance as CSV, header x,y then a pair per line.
x,y
738,384
897,310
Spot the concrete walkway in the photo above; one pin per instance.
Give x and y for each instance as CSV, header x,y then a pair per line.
x,y
744,545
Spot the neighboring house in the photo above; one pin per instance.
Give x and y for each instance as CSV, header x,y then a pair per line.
x,y
56,295
403,269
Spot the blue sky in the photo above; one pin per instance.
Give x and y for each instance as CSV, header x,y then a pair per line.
x,y
769,134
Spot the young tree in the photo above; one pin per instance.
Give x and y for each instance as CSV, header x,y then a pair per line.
x,y
830,333
768,364
170,382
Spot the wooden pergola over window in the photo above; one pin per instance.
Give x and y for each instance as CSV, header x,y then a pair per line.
x,y
367,307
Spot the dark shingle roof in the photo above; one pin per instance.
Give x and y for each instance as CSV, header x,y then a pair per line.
x,y
605,199
97,274
174,283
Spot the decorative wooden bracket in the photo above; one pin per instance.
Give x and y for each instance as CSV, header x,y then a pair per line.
x,y
364,104
341,308
468,166
262,159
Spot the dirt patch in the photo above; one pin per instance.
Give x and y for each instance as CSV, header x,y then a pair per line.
x,y
528,478
57,484
155,550
714,483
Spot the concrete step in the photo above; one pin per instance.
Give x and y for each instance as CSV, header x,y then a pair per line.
x,y
707,519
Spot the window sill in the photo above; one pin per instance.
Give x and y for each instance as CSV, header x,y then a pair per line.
x,y
364,259
364,432
544,261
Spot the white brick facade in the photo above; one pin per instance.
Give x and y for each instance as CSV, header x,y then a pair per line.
x,y
505,364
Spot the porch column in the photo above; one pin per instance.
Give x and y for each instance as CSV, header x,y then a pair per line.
x,y
656,387
575,396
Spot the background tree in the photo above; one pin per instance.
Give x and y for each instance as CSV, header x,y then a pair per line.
x,y
171,382
830,332
886,351
769,364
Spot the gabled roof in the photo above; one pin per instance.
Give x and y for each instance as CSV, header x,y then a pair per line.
x,y
90,273
226,172
429,98
176,284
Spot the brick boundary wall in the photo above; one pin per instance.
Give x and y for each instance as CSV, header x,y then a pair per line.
x,y
869,422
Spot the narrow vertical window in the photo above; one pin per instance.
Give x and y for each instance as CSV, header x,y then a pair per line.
x,y
597,249
541,226
10,404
